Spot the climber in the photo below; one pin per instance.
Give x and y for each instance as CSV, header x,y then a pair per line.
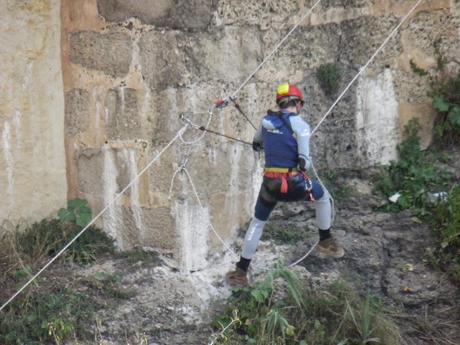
x,y
284,137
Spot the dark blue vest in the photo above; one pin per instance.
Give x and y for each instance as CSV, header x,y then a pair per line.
x,y
280,146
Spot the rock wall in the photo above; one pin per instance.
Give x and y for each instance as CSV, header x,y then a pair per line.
x,y
32,155
132,67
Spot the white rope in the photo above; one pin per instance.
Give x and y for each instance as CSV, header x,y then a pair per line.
x,y
179,133
338,100
307,13
305,256
191,124
366,65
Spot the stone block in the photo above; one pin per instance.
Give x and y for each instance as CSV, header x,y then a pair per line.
x,y
110,53
159,229
189,14
255,12
426,116
230,54
123,114
77,111
162,59
90,166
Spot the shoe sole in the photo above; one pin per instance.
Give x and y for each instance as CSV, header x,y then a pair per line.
x,y
325,253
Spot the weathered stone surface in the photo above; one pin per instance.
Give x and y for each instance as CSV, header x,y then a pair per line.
x,y
230,54
32,155
189,14
77,111
110,53
265,14
163,62
90,166
184,71
123,114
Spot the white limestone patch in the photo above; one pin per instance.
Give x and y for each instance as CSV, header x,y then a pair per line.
x,y
192,225
376,119
113,216
6,139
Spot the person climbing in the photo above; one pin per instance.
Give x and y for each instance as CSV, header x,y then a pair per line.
x,y
284,137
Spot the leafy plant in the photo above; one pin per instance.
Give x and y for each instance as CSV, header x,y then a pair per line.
x,y
77,212
413,175
329,76
446,100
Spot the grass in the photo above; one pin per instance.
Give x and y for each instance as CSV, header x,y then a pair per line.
x,y
47,317
44,313
281,310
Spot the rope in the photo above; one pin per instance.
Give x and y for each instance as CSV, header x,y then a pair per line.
x,y
226,246
338,100
178,135
307,13
305,256
190,123
366,65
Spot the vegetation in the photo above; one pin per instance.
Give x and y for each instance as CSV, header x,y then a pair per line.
x,y
446,100
417,70
418,179
283,234
47,317
46,238
281,310
413,176
44,313
329,76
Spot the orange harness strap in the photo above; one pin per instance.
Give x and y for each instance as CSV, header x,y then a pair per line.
x,y
283,177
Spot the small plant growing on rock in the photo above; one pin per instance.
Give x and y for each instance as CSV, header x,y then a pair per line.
x,y
446,100
77,212
329,76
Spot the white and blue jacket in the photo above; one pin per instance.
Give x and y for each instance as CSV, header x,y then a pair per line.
x,y
285,138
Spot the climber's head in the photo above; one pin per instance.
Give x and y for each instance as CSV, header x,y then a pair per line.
x,y
288,95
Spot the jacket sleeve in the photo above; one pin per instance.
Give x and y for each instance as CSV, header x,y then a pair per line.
x,y
302,133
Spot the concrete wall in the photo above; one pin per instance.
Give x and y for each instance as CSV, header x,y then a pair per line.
x,y
32,155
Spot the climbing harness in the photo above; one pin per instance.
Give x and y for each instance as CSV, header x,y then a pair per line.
x,y
180,133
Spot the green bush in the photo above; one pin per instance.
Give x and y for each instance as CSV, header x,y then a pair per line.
x,y
48,237
329,76
413,176
280,310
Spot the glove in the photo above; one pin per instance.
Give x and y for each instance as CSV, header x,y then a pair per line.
x,y
257,146
302,164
